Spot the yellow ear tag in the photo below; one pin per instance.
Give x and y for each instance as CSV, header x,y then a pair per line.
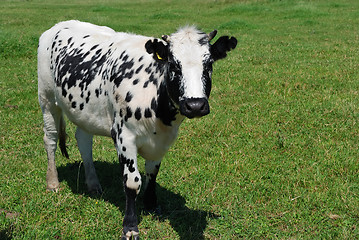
x,y
158,56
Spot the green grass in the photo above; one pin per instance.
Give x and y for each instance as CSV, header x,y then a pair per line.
x,y
277,158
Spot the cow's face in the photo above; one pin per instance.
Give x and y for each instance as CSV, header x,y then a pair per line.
x,y
189,57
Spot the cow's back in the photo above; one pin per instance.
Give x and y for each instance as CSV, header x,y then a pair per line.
x,y
47,39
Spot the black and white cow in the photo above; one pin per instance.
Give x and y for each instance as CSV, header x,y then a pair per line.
x,y
132,88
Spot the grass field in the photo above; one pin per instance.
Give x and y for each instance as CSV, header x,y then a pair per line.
x,y
277,158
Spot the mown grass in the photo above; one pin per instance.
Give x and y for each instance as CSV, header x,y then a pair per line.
x,y
277,158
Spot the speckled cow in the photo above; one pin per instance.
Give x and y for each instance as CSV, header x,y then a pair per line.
x,y
132,88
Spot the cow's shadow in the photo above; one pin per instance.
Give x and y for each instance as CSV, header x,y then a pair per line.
x,y
188,223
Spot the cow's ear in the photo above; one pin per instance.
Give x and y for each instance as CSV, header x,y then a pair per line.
x,y
223,45
158,50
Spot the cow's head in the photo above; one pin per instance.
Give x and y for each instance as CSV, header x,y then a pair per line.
x,y
189,56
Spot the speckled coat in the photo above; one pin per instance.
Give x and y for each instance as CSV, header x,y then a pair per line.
x,y
132,88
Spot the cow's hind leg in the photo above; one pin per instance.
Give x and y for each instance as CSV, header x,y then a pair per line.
x,y
54,126
150,198
84,142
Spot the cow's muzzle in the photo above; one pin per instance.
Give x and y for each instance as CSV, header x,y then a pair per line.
x,y
194,107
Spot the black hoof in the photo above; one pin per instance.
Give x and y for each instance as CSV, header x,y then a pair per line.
x,y
95,192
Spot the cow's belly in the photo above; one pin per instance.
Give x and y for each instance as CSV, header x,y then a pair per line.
x,y
95,120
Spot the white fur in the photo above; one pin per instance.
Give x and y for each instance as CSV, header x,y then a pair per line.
x,y
190,53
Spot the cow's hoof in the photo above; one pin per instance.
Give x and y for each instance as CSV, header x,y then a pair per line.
x,y
52,189
52,185
131,235
95,190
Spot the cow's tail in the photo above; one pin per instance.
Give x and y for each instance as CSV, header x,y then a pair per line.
x,y
62,137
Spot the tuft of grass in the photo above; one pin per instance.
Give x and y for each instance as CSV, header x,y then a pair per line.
x,y
277,158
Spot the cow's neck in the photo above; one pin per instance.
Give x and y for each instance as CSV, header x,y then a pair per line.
x,y
167,110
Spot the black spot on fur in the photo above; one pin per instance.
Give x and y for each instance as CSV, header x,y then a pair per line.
x,y
154,104
128,113
123,53
88,97
135,81
139,69
125,178
148,69
148,113
80,72
128,162
136,179
73,104
94,47
124,58
97,92
124,149
81,106
86,36
70,97
98,52
145,84
123,71
138,113
128,97
119,130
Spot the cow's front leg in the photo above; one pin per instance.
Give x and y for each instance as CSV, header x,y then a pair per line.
x,y
127,154
150,198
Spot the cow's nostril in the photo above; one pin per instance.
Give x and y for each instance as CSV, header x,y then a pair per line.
x,y
188,106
